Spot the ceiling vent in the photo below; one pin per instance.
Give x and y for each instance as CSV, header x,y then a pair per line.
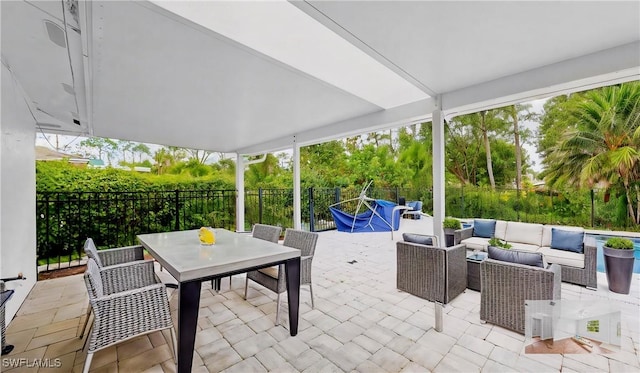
x,y
56,34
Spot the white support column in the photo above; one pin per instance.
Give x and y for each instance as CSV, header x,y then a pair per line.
x,y
437,122
297,212
239,193
438,170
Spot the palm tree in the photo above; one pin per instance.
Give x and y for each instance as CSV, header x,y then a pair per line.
x,y
603,144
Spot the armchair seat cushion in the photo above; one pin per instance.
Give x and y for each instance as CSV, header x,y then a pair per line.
x,y
270,271
562,257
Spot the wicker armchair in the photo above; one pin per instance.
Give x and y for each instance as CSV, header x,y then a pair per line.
x,y
506,286
106,258
587,276
437,274
274,278
127,302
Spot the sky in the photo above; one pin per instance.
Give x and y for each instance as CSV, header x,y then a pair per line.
x,y
71,142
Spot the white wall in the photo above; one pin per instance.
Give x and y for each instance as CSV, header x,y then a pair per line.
x,y
17,192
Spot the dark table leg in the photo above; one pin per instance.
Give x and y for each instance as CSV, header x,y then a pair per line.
x,y
292,268
187,321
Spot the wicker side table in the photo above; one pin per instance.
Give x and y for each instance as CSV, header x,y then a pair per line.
x,y
473,270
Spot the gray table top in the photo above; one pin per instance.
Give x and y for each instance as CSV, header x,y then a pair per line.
x,y
182,255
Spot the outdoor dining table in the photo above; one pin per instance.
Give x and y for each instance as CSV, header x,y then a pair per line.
x,y
191,263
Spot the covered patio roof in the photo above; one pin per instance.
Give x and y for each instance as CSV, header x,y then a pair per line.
x,y
247,77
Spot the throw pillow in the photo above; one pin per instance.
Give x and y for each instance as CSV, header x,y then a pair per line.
x,y
515,256
484,228
417,238
567,240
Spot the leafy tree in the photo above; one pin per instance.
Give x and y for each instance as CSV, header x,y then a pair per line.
x,y
200,156
103,146
515,114
602,144
141,149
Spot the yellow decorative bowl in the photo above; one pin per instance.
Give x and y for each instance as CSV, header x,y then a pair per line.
x,y
207,236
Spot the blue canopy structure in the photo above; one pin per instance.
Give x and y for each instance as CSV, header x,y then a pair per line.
x,y
377,218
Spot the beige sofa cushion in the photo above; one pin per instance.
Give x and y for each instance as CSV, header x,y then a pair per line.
x,y
524,233
501,229
562,257
476,243
524,246
546,232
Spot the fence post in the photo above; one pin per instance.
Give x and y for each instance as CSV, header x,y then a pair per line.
x,y
312,220
592,208
48,230
260,205
177,196
337,195
462,215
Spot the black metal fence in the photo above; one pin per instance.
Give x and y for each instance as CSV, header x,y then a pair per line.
x,y
112,219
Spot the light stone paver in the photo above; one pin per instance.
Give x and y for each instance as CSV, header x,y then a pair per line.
x,y
361,323
252,345
270,358
346,331
291,348
349,356
389,360
249,365
424,356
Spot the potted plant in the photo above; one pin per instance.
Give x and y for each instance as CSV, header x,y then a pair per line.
x,y
499,243
449,226
618,263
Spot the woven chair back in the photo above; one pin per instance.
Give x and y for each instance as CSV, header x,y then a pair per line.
x,y
267,232
92,251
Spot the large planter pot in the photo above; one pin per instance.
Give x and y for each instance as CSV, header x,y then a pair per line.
x,y
618,265
448,236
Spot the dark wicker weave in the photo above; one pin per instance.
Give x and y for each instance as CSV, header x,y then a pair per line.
x,y
274,278
506,286
586,276
462,234
127,302
438,274
266,232
109,257
114,256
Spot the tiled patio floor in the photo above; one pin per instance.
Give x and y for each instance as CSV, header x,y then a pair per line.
x,y
361,322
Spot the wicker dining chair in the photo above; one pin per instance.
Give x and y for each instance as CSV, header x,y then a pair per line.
x,y
127,301
274,278
265,232
109,257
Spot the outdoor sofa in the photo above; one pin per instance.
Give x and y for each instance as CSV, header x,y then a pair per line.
x,y
564,245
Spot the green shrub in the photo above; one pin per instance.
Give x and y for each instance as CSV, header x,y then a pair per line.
x,y
499,243
451,223
619,243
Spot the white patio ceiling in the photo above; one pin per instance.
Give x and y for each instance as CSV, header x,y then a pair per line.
x,y
249,76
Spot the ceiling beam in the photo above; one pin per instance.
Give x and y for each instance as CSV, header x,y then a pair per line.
x,y
378,121
607,67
